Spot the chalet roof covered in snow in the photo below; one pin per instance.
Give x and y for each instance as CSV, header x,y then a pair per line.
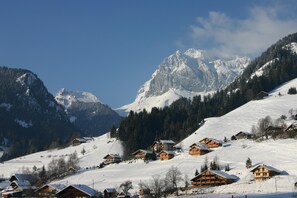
x,y
270,168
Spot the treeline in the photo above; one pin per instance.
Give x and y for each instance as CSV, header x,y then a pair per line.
x,y
183,117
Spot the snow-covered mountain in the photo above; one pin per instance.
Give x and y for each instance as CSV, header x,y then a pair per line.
x,y
87,112
186,74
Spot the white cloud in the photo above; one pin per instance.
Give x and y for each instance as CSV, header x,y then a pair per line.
x,y
250,36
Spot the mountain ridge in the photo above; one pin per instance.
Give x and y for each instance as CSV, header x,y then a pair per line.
x,y
87,112
193,72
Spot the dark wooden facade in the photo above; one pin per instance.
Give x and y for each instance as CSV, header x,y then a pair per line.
x,y
212,143
110,193
143,154
197,150
112,158
210,178
165,155
76,192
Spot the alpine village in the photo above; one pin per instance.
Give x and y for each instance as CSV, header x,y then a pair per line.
x,y
236,141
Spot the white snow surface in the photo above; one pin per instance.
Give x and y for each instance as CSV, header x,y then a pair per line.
x,y
23,123
26,79
279,154
95,151
260,71
159,101
292,46
67,98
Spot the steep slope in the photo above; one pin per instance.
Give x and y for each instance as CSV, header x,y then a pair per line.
x,y
31,119
87,112
187,74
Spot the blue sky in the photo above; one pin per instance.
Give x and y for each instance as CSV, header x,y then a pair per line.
x,y
110,48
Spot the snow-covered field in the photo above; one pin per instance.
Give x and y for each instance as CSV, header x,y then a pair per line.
x,y
280,154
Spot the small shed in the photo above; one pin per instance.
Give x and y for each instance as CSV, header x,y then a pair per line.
x,y
210,178
261,95
143,154
112,158
262,172
77,190
110,193
165,155
78,141
243,135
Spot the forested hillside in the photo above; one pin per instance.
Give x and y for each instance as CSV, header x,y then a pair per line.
x,y
278,65
30,118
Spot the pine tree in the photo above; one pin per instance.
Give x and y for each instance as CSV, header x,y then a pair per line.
x,y
196,172
248,163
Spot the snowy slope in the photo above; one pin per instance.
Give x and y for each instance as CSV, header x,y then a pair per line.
x,y
279,154
95,151
235,154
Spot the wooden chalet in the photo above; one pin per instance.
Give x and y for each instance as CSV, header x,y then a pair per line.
x,y
112,158
277,132
20,187
204,140
77,191
143,154
78,141
110,193
165,155
49,190
261,95
262,172
213,143
243,135
160,145
210,178
198,149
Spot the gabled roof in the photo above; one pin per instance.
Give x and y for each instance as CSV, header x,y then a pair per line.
x,y
167,142
200,146
80,139
270,168
24,184
112,155
292,126
83,188
142,150
169,152
215,140
242,132
22,177
110,190
220,173
57,187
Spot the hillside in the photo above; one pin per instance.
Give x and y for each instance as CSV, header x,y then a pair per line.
x,y
31,119
276,153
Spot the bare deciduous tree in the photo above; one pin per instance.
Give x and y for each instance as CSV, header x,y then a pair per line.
x,y
173,177
126,186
